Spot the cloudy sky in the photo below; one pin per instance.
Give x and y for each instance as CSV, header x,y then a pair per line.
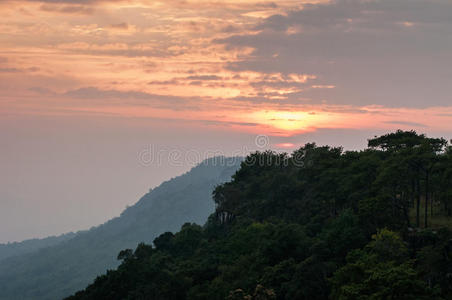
x,y
88,88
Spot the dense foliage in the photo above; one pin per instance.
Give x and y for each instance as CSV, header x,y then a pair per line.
x,y
320,223
60,270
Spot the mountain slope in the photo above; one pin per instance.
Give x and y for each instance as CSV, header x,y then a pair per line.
x,y
318,224
31,245
57,271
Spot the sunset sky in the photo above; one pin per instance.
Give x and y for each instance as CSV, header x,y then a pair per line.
x,y
88,86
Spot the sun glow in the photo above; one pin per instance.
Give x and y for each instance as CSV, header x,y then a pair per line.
x,y
289,121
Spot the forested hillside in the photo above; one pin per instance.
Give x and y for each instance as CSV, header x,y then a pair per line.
x,y
320,223
31,245
56,272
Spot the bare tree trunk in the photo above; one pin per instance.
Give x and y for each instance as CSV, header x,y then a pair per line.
x,y
418,203
426,199
448,209
407,216
432,196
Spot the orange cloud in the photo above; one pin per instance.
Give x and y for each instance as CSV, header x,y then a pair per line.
x,y
166,59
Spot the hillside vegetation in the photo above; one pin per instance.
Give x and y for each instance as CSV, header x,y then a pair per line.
x,y
31,245
320,223
58,271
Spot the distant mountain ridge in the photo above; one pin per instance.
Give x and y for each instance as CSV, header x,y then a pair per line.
x,y
59,270
31,245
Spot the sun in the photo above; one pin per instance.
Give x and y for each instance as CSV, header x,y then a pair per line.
x,y
288,121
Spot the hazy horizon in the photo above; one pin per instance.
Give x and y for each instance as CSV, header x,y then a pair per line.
x,y
96,189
